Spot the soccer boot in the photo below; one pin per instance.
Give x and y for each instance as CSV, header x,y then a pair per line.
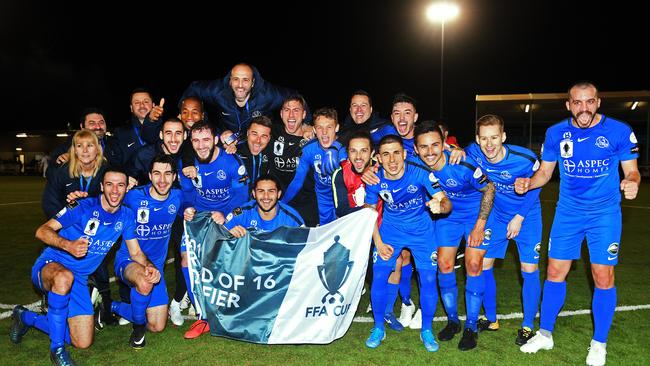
x,y
447,333
376,336
175,313
199,327
393,323
18,328
468,341
61,357
485,325
539,341
523,335
406,314
597,353
429,341
137,340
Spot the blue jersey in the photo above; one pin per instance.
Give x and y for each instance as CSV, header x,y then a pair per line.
x,y
518,162
588,161
101,228
310,159
217,186
153,223
248,216
391,130
405,197
462,183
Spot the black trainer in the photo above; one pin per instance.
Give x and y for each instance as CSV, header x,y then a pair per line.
x,y
104,316
18,328
485,325
448,332
468,341
523,335
61,357
137,336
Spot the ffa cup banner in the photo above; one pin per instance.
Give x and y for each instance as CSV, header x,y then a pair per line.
x,y
291,285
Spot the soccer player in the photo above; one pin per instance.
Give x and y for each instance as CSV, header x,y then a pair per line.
x,y
322,156
78,239
253,152
156,206
219,179
588,147
266,213
405,223
403,115
472,195
514,216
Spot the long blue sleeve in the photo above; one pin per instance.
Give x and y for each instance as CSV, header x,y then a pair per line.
x,y
297,182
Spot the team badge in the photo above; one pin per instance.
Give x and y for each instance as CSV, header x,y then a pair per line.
x,y
118,226
221,175
451,183
602,142
91,227
566,135
384,185
566,149
171,209
143,215
411,189
506,174
278,148
254,223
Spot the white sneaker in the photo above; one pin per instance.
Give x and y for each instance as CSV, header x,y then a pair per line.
x,y
175,313
369,309
416,321
185,302
597,353
123,321
191,311
539,341
94,296
406,314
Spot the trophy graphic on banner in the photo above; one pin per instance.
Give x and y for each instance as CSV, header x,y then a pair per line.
x,y
335,270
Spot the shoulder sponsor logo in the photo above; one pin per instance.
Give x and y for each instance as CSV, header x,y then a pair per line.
x,y
432,178
242,169
477,173
536,165
602,142
580,139
633,138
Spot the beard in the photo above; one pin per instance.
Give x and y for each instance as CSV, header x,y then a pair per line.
x,y
270,209
577,119
206,160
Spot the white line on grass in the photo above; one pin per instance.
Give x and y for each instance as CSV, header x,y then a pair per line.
x,y
367,319
19,203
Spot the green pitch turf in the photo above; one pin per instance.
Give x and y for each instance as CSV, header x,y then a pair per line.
x,y
628,342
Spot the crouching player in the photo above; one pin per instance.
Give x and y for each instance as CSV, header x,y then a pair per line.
x,y
405,224
156,206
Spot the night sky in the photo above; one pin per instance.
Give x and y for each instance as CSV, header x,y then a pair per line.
x,y
53,62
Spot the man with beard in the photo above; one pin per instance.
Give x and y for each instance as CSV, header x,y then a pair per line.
x,y
156,205
287,144
349,191
403,116
78,239
588,147
171,140
266,213
362,117
219,178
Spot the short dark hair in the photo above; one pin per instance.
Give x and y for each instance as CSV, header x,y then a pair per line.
x,y
364,93
270,177
194,98
328,112
582,84
171,119
389,139
86,111
262,121
426,127
359,134
164,159
403,98
295,98
115,169
202,125
490,120
139,90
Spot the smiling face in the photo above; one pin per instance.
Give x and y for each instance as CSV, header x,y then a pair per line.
x,y
292,115
359,153
203,143
360,108
96,123
583,103
141,105
258,137
113,188
391,157
267,194
491,138
429,147
162,178
241,82
404,117
172,135
326,129
191,112
86,151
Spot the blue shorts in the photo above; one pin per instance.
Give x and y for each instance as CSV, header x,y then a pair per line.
x,y
602,230
80,303
158,293
528,241
420,242
449,232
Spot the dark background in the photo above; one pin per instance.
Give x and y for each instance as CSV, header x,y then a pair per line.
x,y
56,58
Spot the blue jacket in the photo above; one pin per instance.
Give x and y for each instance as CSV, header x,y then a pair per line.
x,y
134,135
59,184
265,99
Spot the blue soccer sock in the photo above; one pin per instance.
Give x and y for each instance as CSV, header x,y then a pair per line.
x,y
391,296
57,318
428,296
552,302
139,304
530,293
123,309
603,306
39,321
474,289
449,294
405,284
490,295
378,293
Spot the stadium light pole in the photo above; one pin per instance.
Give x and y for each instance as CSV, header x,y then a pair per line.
x,y
442,12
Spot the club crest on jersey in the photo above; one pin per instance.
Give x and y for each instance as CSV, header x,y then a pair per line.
x,y
254,223
411,188
143,215
613,249
602,142
96,213
452,183
91,227
335,270
171,209
278,147
506,174
118,226
221,175
566,148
